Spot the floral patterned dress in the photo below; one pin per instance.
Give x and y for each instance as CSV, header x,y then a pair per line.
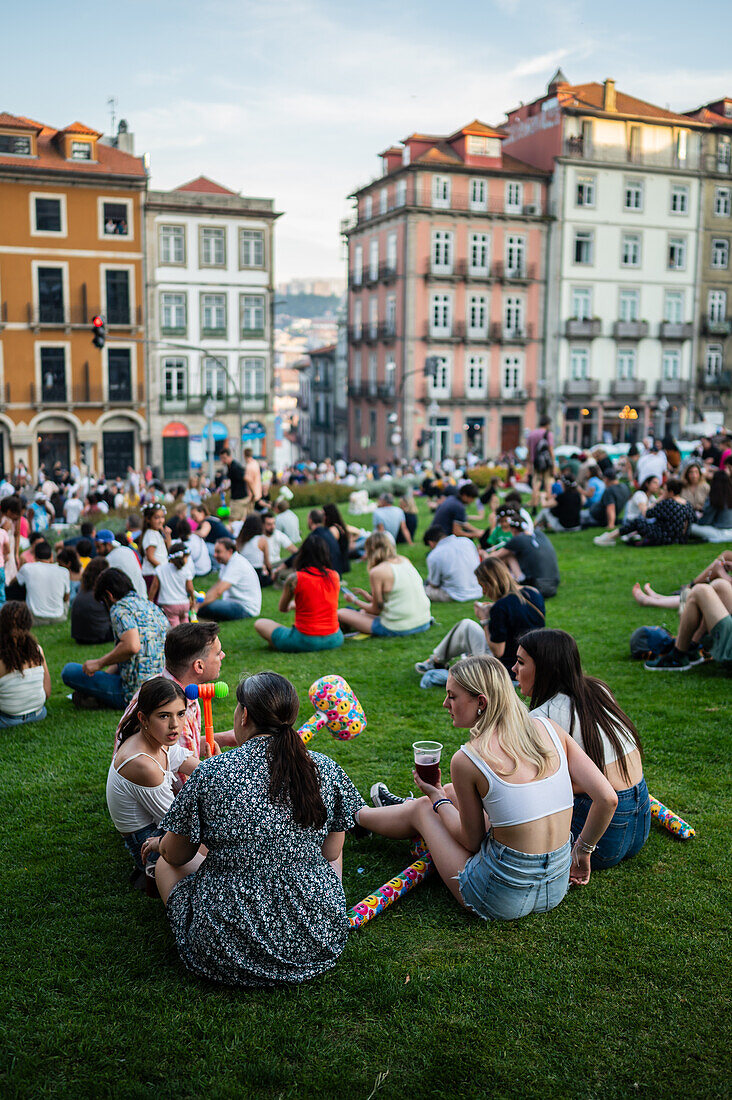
x,y
265,906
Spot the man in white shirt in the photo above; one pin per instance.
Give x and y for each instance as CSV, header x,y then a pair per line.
x,y
47,586
73,507
451,565
277,542
121,557
651,464
390,519
287,521
237,593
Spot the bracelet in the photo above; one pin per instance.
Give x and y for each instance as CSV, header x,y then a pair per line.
x,y
440,802
583,846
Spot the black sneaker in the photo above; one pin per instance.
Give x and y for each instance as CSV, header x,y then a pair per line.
x,y
670,662
696,654
382,796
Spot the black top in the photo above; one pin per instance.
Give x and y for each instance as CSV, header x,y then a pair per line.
x,y
616,494
90,622
235,474
334,549
510,617
218,530
567,508
537,560
450,511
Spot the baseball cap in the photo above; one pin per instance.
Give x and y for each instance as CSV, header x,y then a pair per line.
x,y
104,535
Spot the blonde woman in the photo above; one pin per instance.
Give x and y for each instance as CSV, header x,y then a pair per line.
x,y
397,604
499,834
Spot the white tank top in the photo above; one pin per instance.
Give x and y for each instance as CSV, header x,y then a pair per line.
x,y
516,803
130,805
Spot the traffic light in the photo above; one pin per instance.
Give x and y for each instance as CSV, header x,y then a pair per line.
x,y
99,331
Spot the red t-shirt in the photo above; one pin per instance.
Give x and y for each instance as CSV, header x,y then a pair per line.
x,y
316,602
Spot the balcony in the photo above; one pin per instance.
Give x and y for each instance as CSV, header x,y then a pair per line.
x,y
627,387
355,334
517,273
630,330
387,273
419,194
372,332
721,381
577,148
674,330
386,391
721,327
444,334
519,334
585,329
248,333
387,332
513,396
677,388
78,394
442,272
67,317
225,403
371,276
581,387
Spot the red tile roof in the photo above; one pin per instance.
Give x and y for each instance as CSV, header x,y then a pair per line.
x,y
15,122
204,186
592,96
703,114
440,153
80,128
110,161
478,127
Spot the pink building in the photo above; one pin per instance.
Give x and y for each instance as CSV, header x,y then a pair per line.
x,y
445,299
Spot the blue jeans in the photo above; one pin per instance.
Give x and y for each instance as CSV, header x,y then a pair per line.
x,y
499,883
107,687
134,842
7,720
2,584
627,832
381,631
223,611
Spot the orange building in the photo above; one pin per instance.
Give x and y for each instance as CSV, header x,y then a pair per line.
x,y
70,247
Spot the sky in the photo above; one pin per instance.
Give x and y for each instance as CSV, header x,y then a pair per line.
x,y
294,99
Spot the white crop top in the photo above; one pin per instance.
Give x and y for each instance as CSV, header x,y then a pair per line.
x,y
559,709
516,803
132,806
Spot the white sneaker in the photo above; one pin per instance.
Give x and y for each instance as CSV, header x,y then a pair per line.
x,y
425,666
605,539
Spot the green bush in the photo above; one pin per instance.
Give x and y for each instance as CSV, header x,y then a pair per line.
x,y
314,494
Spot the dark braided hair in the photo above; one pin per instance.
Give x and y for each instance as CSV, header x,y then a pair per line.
x,y
18,647
154,694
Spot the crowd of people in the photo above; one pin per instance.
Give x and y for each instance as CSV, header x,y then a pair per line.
x,y
244,844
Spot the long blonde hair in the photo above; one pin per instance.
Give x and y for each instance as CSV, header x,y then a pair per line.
x,y
498,581
505,716
378,548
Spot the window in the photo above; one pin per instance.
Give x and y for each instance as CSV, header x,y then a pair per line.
x,y
511,375
368,207
673,307
712,362
172,243
356,375
119,375
251,378
479,146
358,265
390,376
441,191
440,315
629,305
173,310
252,315
581,303
391,315
374,259
634,143
401,192
679,199
373,317
514,197
722,202
442,251
720,253
478,194
16,146
440,385
477,375
175,379
677,253
516,256
373,371
373,429
213,315
625,366
631,250
357,319
212,243
585,195
584,246
357,427
48,216
717,306
633,195
50,295
479,244
116,219
477,315
671,365
513,316
383,200
724,153
81,150
391,252
579,364
251,248
117,284
214,379
53,374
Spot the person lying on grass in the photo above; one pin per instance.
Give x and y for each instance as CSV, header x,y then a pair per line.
x,y
499,834
265,904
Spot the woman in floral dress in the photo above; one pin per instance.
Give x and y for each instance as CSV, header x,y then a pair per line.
x,y
266,903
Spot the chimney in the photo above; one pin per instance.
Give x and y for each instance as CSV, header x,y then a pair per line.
x,y
608,97
125,140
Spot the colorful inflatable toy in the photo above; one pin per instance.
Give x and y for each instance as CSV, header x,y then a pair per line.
x,y
671,821
336,709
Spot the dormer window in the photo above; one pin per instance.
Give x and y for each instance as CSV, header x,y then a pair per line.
x,y
81,150
406,155
483,146
16,145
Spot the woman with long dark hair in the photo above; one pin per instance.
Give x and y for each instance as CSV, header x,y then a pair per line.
x,y
550,673
312,590
715,522
335,523
266,904
25,682
252,545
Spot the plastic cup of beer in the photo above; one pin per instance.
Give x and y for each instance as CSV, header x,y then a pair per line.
x,y
427,761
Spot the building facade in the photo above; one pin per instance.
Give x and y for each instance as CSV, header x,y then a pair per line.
x,y
210,308
71,247
317,404
446,259
622,277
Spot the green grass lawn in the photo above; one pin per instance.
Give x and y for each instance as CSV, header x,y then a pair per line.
x,y
621,991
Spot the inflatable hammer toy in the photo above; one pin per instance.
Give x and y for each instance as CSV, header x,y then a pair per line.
x,y
207,692
336,707
394,889
671,821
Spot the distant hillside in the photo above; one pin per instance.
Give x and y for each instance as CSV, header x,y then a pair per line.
x,y
292,306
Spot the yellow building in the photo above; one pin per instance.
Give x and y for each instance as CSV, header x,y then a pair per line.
x,y
70,248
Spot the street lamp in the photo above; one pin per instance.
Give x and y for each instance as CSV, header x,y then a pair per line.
x,y
209,411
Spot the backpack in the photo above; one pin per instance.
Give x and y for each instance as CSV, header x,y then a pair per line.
x,y
650,641
543,455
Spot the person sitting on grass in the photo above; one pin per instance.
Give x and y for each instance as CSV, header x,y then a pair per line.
x,y
237,593
313,591
68,559
172,585
562,511
696,486
549,673
335,523
47,586
90,622
451,565
25,682
666,523
253,546
451,514
637,507
151,754
266,904
502,532
139,628
499,834
705,623
715,522
531,558
397,604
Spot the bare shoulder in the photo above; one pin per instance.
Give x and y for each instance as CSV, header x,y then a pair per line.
x,y
142,770
461,764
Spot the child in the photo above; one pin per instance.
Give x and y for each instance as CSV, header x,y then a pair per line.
x,y
67,557
172,583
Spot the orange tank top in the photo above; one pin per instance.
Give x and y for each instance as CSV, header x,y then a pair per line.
x,y
316,603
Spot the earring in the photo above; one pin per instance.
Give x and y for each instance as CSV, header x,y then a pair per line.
x,y
480,711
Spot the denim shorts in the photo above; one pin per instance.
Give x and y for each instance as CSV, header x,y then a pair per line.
x,y
286,639
134,842
499,883
627,832
380,631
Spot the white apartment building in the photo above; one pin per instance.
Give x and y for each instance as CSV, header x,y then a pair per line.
x,y
210,308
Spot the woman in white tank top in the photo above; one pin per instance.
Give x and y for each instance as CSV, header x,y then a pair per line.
x,y
499,834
